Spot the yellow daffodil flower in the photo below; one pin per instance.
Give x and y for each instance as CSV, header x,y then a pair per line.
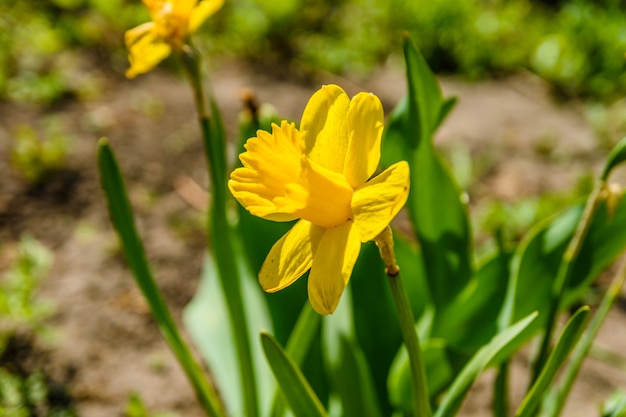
x,y
172,22
320,174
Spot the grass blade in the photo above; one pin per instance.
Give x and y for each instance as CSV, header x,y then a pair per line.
x,y
570,335
123,221
294,385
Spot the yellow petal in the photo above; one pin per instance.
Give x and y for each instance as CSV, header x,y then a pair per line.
x,y
202,11
333,262
290,257
365,129
324,127
156,6
379,200
271,164
133,35
145,54
183,8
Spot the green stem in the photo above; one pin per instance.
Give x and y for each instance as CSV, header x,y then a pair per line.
x,y
563,276
219,230
421,403
581,351
501,391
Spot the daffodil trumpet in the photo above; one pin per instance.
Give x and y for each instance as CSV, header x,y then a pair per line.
x,y
322,174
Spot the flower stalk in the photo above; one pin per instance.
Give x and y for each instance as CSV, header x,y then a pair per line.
x,y
421,404
219,230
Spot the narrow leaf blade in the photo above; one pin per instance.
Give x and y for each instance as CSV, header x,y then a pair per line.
x,y
294,385
568,339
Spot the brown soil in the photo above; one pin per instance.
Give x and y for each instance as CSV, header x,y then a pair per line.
x,y
106,343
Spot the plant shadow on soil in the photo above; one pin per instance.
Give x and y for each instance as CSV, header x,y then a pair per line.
x,y
106,344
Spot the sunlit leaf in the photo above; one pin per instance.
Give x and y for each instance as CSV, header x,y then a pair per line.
x,y
536,262
435,203
347,365
568,339
491,354
206,318
297,391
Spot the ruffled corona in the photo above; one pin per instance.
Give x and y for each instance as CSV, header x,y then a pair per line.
x,y
320,174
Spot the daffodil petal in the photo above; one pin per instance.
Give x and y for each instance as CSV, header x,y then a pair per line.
x,y
365,129
324,127
332,266
155,6
182,8
376,203
290,257
202,11
133,35
145,54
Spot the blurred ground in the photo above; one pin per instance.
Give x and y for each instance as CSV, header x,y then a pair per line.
x,y
106,343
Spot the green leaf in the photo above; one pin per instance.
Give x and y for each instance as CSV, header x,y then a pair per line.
x,y
497,350
123,221
470,320
617,156
537,259
438,369
615,406
555,400
295,387
205,318
300,341
435,204
568,339
347,365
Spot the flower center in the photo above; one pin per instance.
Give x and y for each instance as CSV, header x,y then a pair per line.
x,y
171,27
328,196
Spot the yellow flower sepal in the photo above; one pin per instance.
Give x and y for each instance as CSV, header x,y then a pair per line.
x,y
321,174
172,22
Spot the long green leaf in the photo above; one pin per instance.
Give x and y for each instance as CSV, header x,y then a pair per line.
x,y
204,317
491,354
346,364
568,339
298,346
537,259
555,400
617,156
122,218
438,369
294,385
435,203
470,320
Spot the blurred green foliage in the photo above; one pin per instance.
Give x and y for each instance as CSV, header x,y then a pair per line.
x,y
35,156
49,49
577,45
19,308
24,393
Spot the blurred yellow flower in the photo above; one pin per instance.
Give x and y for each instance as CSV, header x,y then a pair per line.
x,y
320,174
172,22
